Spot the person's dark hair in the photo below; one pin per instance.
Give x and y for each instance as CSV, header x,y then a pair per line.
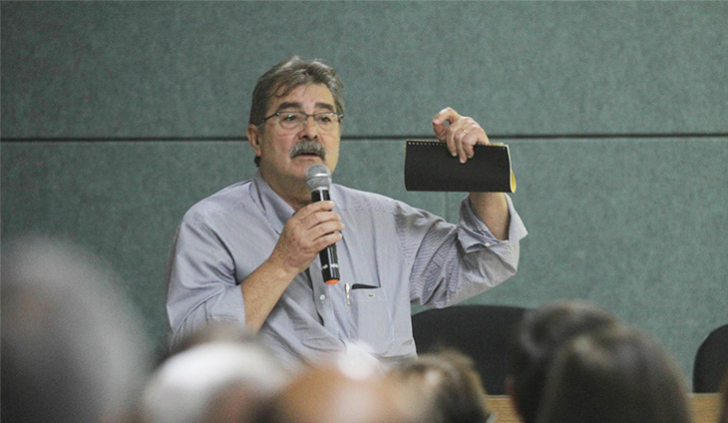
x,y
286,76
614,375
448,382
535,342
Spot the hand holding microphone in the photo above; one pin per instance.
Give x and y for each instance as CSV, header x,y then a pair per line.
x,y
307,233
318,179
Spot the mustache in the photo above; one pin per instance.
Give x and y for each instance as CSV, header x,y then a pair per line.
x,y
308,147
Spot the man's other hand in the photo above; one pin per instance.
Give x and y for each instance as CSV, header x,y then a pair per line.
x,y
460,133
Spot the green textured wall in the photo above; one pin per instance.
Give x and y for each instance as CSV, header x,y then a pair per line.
x,y
117,117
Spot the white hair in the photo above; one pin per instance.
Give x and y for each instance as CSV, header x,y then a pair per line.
x,y
187,383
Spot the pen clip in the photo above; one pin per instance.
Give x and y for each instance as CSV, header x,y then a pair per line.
x,y
348,297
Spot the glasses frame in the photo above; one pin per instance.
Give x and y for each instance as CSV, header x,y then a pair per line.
x,y
340,116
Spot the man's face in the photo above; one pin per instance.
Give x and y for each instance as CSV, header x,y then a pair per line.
x,y
275,144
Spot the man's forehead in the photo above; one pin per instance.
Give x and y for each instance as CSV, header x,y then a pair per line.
x,y
302,95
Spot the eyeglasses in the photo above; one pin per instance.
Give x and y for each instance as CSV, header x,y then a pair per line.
x,y
326,121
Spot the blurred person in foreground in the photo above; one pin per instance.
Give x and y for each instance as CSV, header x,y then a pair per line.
x,y
248,253
347,387
614,375
446,385
217,378
72,348
535,342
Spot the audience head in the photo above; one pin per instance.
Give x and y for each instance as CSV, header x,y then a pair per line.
x,y
447,384
614,375
345,390
212,382
536,340
72,349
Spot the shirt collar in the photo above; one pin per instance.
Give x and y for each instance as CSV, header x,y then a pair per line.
x,y
275,210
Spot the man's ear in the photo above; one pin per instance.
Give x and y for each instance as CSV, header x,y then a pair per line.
x,y
255,139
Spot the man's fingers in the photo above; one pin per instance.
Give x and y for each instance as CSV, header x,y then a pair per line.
x,y
468,133
460,133
444,117
314,208
326,228
316,221
452,145
309,231
309,215
313,222
326,240
448,114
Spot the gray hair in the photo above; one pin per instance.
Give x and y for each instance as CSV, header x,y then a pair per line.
x,y
289,74
74,349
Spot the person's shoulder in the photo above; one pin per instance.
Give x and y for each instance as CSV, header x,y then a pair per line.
x,y
222,202
355,199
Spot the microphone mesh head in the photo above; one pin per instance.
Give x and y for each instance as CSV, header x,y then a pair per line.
x,y
318,177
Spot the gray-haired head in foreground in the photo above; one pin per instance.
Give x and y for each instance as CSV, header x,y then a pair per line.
x,y
72,347
187,386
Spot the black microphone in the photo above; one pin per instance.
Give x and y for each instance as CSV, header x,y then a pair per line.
x,y
318,179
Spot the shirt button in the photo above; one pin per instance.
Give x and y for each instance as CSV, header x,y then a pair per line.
x,y
322,297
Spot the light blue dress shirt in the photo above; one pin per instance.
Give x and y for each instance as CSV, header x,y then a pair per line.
x,y
391,255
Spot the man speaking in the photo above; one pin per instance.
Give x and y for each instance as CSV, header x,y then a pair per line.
x,y
249,253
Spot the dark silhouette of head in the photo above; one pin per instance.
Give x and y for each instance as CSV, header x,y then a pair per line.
x,y
535,342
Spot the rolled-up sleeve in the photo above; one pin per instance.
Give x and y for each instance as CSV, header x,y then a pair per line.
x,y
201,280
474,235
469,259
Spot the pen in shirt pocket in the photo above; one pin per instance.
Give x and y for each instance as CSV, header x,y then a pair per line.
x,y
356,286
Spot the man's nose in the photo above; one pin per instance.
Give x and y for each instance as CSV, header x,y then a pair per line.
x,y
310,129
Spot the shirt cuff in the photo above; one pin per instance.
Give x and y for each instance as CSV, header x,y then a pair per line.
x,y
228,307
474,235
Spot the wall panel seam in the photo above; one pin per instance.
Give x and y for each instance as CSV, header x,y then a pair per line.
x,y
383,137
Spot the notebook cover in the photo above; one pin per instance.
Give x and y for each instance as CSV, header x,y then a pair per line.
x,y
430,167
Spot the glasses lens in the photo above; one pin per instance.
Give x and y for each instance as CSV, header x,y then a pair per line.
x,y
326,122
291,120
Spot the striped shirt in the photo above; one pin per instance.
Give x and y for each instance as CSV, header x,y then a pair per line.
x,y
391,256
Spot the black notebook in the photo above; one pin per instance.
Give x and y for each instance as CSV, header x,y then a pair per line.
x,y
429,166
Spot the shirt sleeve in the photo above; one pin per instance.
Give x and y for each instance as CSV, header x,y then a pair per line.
x,y
455,262
201,280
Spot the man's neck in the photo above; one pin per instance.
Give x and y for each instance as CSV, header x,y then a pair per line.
x,y
294,192
297,202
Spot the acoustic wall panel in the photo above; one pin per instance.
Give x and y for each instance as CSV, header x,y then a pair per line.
x,y
186,69
640,228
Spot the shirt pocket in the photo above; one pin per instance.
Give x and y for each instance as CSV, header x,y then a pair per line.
x,y
371,318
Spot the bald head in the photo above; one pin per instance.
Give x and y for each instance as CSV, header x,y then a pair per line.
x,y
328,395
